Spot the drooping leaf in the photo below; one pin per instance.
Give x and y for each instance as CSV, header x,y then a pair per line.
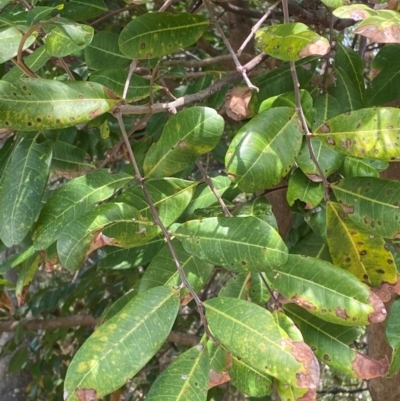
x,y
10,39
264,149
393,336
37,59
360,253
185,379
371,203
327,291
73,200
25,277
355,167
103,52
331,343
239,243
303,189
366,133
328,159
23,184
139,87
32,104
120,347
187,135
162,270
158,34
267,349
291,41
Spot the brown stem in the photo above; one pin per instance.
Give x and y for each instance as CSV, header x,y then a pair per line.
x,y
111,13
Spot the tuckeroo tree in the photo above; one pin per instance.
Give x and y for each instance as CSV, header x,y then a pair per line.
x,y
112,124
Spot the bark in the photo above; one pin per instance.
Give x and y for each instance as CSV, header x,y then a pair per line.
x,y
383,389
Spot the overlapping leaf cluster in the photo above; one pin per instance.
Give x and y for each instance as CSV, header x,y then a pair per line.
x,y
327,278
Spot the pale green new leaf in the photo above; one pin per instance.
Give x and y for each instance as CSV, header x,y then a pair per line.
x,y
33,104
185,379
327,291
371,133
239,243
10,39
158,34
291,42
371,203
267,348
363,254
73,200
119,348
22,187
187,135
264,149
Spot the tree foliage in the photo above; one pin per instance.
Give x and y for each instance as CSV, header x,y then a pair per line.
x,y
137,151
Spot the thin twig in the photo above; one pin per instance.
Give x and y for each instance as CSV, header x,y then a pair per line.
x,y
132,69
66,68
204,62
238,65
166,5
157,220
20,61
256,27
208,181
26,4
189,99
114,12
276,302
300,111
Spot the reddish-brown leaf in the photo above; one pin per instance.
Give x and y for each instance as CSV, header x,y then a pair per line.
x,y
367,368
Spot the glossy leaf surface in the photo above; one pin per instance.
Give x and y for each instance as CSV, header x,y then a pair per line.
x,y
300,187
239,244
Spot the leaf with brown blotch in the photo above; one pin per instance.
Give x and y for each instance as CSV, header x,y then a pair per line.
x,y
379,314
86,394
386,291
99,240
367,368
320,47
241,103
217,378
303,354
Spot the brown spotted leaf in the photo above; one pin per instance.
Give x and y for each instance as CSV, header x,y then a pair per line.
x,y
32,104
365,255
327,291
267,349
371,203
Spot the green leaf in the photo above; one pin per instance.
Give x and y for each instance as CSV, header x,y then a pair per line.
x,y
72,201
23,184
18,360
116,258
316,219
356,12
169,195
185,379
326,107
387,56
25,277
267,348
366,133
10,39
327,291
187,135
82,236
305,190
360,253
346,91
371,203
291,42
119,348
82,10
103,52
334,3
38,14
238,243
139,87
355,167
327,158
36,60
392,335
264,149
158,34
33,104
162,270
249,380
384,88
312,245
70,161
67,39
